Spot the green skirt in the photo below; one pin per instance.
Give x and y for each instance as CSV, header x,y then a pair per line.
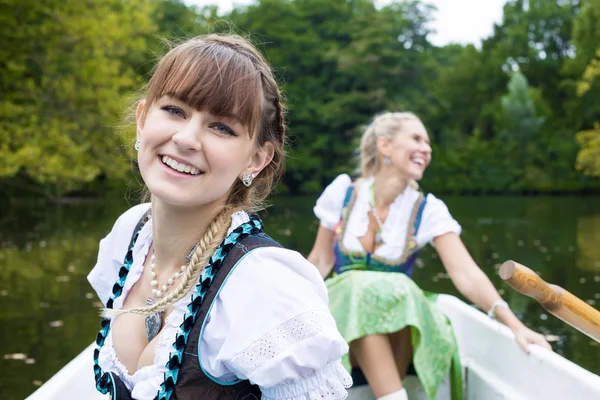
x,y
369,302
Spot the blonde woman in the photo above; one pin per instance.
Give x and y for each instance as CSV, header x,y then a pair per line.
x,y
370,234
200,304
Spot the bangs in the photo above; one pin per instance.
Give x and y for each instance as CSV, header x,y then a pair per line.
x,y
211,77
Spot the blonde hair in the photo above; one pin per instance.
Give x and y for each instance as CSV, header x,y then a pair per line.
x,y
383,125
226,76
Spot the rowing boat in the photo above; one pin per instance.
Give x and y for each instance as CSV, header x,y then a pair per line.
x,y
494,367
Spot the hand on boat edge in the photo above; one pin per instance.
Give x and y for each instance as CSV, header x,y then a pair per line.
x,y
525,336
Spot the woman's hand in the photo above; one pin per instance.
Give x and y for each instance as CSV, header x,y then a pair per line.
x,y
525,336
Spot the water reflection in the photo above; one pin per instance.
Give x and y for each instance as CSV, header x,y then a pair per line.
x,y
588,243
48,312
47,309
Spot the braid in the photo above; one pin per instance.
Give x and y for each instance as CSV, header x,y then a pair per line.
x,y
215,233
368,152
272,131
280,112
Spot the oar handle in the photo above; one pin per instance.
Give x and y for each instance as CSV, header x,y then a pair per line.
x,y
558,301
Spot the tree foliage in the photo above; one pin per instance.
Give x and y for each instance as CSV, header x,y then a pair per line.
x,y
587,63
65,69
503,117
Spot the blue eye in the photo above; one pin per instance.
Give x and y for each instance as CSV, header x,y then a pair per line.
x,y
224,129
176,111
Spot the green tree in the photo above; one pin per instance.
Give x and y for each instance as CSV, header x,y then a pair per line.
x,y
341,62
519,134
583,102
588,159
534,37
586,65
65,72
67,69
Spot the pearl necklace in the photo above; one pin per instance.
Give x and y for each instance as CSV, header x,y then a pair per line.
x,y
154,320
376,215
156,292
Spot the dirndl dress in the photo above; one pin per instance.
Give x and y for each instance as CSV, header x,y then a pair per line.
x,y
369,294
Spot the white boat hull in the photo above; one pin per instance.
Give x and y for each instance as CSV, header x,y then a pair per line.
x,y
494,368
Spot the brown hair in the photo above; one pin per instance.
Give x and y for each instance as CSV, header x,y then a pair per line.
x,y
226,76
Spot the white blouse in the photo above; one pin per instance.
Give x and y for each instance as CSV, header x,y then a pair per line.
x,y
270,323
436,219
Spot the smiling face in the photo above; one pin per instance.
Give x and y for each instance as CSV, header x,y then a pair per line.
x,y
401,138
410,150
191,158
211,114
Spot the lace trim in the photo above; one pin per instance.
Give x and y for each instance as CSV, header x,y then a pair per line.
x,y
165,337
137,267
237,219
104,381
329,383
282,338
358,222
253,226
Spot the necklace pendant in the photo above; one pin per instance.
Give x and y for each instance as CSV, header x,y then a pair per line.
x,y
153,322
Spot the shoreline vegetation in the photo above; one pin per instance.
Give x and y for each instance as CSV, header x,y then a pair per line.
x,y
519,114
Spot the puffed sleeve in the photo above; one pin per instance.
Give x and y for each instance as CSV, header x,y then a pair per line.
x,y
112,252
436,221
271,324
329,205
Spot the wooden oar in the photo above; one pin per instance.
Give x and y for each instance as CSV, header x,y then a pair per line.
x,y
555,299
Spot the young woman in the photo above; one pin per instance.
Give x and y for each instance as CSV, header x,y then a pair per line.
x,y
200,304
371,230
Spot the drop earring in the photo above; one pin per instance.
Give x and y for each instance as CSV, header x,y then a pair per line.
x,y
386,160
136,146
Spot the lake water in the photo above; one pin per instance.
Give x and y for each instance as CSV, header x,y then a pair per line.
x,y
48,312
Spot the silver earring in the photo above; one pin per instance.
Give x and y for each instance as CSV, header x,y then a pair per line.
x,y
247,179
387,160
136,146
